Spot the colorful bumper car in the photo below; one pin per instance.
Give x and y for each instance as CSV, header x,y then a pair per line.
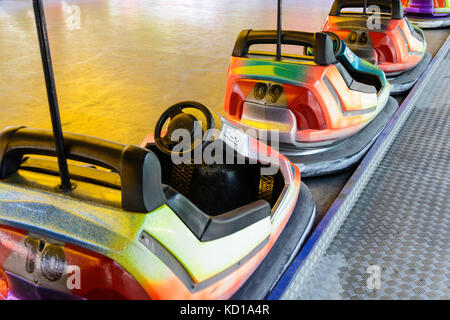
x,y
377,31
137,226
428,13
85,218
325,107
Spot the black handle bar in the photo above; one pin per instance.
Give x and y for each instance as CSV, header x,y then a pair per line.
x,y
138,168
394,7
320,42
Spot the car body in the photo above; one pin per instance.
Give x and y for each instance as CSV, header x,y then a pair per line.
x,y
128,228
395,46
324,98
428,13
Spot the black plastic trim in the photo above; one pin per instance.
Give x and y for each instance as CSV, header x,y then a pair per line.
x,y
344,73
209,228
406,42
320,41
79,173
395,7
138,168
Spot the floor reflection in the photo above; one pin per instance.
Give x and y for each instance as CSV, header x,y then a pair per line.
x,y
128,60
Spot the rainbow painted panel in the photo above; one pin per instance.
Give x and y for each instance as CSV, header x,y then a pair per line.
x,y
304,85
115,233
295,73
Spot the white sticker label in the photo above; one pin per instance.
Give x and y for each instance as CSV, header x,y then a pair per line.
x,y
235,138
349,54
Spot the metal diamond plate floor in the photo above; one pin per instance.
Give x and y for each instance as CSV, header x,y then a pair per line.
x,y
398,232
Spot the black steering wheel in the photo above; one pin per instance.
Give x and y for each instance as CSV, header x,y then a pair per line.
x,y
186,121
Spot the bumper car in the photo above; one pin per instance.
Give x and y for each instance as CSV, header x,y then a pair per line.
x,y
85,218
428,13
326,107
137,226
386,39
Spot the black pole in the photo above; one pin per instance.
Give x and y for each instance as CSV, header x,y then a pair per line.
x,y
44,45
365,8
279,35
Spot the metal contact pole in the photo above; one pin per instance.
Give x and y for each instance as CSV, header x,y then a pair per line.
x,y
279,29
44,45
